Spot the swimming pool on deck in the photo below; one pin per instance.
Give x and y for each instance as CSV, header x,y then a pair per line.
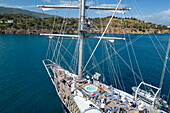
x,y
91,88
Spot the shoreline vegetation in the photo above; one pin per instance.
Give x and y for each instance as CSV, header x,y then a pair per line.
x,y
24,24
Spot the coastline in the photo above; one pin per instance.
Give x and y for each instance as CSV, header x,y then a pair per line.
x,y
94,33
24,24
111,30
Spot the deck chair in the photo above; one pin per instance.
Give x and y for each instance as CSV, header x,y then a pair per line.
x,y
98,101
109,110
126,107
113,98
146,110
113,92
115,110
125,102
116,101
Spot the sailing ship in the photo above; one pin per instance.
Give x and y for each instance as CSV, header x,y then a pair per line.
x,y
80,93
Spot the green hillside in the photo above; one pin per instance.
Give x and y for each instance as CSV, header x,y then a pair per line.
x,y
24,24
7,10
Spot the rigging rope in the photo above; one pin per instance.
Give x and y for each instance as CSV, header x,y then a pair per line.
x,y
119,50
49,44
151,38
103,34
114,70
74,62
119,71
136,61
125,62
164,66
63,27
94,59
129,57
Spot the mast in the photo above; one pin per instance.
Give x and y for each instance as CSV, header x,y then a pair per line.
x,y
81,38
81,30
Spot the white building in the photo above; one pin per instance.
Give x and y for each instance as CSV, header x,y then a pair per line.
x,y
9,21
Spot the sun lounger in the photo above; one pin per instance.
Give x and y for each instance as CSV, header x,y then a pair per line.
x,y
98,101
109,110
115,110
116,101
113,98
126,107
106,94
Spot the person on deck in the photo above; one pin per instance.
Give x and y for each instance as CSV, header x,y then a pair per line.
x,y
69,84
134,105
102,106
92,80
100,88
64,81
104,100
125,101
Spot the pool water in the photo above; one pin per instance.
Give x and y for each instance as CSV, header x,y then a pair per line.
x,y
91,88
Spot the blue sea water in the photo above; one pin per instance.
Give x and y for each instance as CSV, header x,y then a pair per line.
x,y
26,88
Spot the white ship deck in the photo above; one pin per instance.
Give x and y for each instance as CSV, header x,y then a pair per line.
x,y
80,101
83,104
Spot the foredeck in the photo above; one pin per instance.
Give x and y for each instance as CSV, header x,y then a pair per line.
x,y
79,100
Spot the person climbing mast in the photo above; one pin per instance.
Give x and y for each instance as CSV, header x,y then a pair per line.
x,y
87,25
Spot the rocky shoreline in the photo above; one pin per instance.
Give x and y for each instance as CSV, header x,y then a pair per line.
x,y
110,31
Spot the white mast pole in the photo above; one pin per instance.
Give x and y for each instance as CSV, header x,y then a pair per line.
x,y
81,37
